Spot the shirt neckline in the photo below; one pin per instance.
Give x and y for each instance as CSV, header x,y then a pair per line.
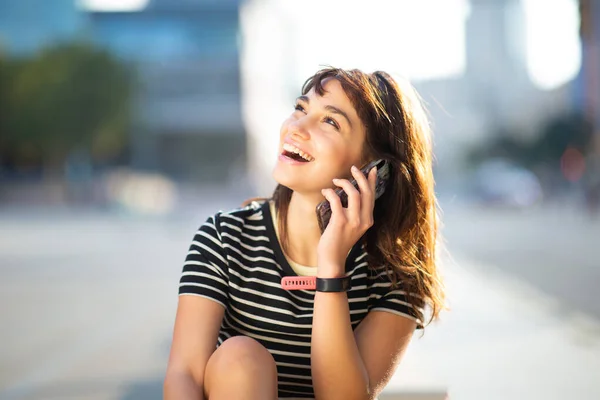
x,y
276,246
300,269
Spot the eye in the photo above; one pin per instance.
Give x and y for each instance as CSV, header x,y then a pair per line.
x,y
298,107
332,122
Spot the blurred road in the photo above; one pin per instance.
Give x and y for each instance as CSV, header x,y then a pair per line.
x,y
87,298
554,248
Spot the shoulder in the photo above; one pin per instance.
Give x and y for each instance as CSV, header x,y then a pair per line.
x,y
247,215
376,275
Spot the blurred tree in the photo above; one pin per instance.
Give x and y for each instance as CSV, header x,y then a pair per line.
x,y
562,132
7,70
72,97
559,133
503,144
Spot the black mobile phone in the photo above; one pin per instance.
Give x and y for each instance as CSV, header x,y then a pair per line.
x,y
383,173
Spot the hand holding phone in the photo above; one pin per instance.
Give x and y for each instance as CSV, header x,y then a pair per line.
x,y
324,209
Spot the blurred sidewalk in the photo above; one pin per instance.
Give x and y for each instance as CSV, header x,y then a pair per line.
x,y
88,314
502,339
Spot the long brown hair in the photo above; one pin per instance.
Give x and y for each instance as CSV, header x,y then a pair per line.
x,y
404,235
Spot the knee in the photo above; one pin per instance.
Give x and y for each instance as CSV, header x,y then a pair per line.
x,y
242,357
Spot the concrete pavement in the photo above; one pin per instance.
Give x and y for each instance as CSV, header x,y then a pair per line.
x,y
503,339
87,303
554,248
524,320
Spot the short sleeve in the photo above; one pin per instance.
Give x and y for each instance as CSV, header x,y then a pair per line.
x,y
205,270
391,299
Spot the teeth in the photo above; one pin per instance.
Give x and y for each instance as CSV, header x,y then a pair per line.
x,y
294,149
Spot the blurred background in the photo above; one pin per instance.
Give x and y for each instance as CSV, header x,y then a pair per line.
x,y
125,123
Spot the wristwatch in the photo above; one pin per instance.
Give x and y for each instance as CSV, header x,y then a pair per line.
x,y
334,284
319,284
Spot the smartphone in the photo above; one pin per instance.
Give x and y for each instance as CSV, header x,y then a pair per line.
x,y
383,174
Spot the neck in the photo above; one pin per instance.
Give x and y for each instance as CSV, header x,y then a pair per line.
x,y
303,229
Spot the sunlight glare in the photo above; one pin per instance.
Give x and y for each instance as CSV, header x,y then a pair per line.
x,y
113,5
553,44
404,37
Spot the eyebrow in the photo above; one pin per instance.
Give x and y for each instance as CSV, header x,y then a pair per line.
x,y
329,108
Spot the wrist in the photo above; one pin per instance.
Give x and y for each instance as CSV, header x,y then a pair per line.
x,y
331,270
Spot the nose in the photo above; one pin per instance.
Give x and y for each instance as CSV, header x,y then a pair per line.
x,y
299,130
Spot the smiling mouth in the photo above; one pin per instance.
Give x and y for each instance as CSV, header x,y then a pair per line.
x,y
296,154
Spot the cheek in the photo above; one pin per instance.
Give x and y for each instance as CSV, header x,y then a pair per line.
x,y
338,155
329,149
344,151
283,128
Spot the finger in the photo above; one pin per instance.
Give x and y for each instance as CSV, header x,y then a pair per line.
x,y
353,196
334,202
367,194
367,210
373,179
365,187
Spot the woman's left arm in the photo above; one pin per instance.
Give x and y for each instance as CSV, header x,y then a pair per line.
x,y
354,365
349,364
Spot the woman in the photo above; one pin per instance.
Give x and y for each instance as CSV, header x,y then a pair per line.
x,y
239,335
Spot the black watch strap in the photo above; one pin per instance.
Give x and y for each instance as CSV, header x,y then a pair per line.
x,y
334,284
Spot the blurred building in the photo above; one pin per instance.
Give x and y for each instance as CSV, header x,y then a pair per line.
x,y
199,118
495,94
188,121
186,52
491,91
587,84
29,25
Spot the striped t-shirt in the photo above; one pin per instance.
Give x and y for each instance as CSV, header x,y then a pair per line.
x,y
236,260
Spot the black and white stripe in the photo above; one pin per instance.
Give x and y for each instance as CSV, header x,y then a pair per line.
x,y
235,259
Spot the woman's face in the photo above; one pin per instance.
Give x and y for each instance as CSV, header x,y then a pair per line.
x,y
321,139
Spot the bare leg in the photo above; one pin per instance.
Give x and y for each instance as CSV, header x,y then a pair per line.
x,y
241,368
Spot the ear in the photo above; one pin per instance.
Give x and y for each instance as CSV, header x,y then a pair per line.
x,y
368,154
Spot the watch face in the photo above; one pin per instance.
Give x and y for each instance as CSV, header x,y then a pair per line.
x,y
334,284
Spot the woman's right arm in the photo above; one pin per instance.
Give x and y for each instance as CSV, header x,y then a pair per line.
x,y
197,325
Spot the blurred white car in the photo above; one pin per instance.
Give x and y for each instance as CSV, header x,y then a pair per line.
x,y
500,182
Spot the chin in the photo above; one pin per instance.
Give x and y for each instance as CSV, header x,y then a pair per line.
x,y
299,180
295,183
282,178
